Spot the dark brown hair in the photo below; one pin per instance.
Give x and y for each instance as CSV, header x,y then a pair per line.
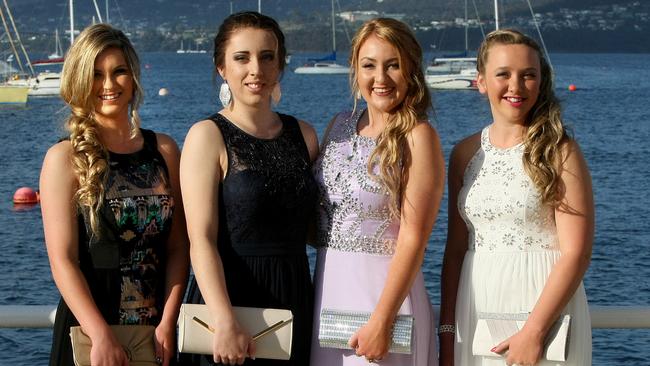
x,y
247,19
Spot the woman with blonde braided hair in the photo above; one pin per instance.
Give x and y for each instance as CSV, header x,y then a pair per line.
x,y
112,211
521,219
381,177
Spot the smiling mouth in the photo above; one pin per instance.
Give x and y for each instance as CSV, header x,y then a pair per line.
x,y
382,91
110,96
255,86
514,99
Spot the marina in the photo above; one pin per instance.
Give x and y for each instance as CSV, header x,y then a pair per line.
x,y
603,112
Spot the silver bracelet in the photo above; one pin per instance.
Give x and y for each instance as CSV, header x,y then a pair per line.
x,y
447,328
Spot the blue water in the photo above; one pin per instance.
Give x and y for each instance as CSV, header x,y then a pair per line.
x,y
608,113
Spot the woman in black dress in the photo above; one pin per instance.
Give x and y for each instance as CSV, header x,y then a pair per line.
x,y
112,211
249,194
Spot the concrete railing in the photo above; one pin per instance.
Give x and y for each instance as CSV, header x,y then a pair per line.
x,y
42,316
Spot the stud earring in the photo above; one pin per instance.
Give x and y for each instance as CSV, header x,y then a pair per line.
x,y
224,94
276,94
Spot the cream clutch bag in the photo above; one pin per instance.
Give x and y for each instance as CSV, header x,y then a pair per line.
x,y
136,340
337,326
272,330
494,328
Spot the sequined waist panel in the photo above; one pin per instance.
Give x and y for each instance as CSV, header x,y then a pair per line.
x,y
363,244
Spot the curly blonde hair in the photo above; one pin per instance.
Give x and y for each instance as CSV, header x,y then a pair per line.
x,y
545,132
388,155
89,155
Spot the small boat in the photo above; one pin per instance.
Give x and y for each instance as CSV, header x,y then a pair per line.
x,y
464,79
45,83
327,64
323,68
10,94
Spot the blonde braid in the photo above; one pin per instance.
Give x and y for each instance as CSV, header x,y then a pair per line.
x,y
89,155
90,165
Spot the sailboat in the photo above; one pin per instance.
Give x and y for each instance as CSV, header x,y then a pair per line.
x,y
58,50
457,73
13,94
327,64
462,72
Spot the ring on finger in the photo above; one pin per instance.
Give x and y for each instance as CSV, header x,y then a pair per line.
x,y
159,360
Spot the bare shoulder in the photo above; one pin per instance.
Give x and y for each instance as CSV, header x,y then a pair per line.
x,y
423,132
572,156
59,154
465,149
166,145
307,129
57,166
206,134
310,137
462,153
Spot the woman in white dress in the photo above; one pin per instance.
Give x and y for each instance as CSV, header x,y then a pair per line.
x,y
521,216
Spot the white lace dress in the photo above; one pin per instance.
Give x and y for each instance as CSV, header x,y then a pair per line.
x,y
512,249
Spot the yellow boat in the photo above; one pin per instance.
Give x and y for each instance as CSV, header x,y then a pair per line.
x,y
13,94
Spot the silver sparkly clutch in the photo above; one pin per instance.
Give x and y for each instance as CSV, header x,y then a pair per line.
x,y
337,327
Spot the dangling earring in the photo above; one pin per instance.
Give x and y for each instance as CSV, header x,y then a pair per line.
x,y
224,94
357,94
276,94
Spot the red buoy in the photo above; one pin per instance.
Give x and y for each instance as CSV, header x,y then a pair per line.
x,y
25,195
572,87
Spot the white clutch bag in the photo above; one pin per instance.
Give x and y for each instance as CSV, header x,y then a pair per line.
x,y
494,328
272,330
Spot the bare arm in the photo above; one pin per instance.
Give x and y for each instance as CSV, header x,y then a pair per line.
x,y
57,186
421,196
177,256
456,245
311,139
203,166
575,228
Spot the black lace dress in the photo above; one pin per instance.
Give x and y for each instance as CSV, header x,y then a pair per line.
x,y
124,264
266,202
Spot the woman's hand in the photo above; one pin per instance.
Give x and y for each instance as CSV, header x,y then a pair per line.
x,y
165,342
372,340
523,348
232,344
107,351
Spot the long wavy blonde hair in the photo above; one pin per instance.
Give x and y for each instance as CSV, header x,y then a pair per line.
x,y
545,132
388,155
89,155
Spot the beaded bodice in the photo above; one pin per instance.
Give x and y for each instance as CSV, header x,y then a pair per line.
x,y
354,210
500,204
267,199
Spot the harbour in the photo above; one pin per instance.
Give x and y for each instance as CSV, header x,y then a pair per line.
x,y
606,112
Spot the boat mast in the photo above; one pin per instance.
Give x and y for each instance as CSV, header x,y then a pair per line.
x,y
259,6
333,30
496,14
99,14
20,42
466,26
107,19
71,6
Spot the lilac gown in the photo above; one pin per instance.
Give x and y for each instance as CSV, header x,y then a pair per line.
x,y
357,239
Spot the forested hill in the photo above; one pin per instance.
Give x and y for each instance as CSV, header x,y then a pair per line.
x,y
567,25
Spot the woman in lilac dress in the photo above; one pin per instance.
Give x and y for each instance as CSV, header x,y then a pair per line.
x,y
380,174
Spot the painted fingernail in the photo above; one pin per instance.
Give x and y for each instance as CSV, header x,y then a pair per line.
x,y
493,349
